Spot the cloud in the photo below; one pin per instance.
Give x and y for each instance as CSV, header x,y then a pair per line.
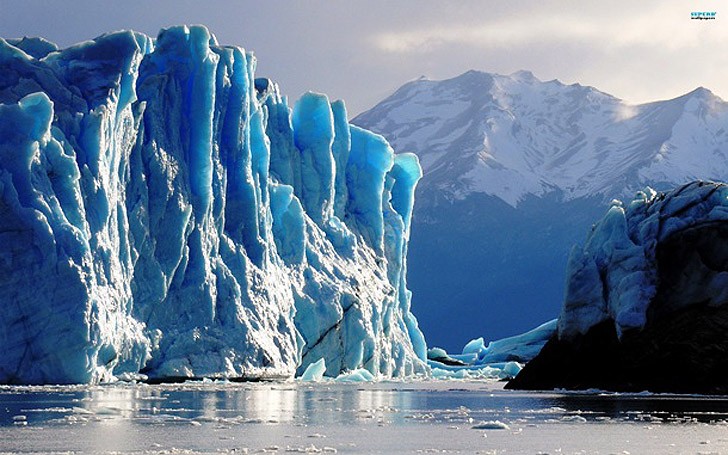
x,y
492,35
668,28
362,50
639,52
625,112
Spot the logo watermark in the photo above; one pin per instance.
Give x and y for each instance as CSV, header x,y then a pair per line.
x,y
703,15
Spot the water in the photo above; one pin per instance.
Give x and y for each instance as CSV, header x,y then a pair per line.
x,y
387,417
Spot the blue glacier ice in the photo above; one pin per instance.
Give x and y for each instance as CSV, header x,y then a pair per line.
x,y
521,348
475,346
358,375
314,371
497,359
614,275
166,213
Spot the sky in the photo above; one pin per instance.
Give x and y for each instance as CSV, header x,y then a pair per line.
x,y
363,50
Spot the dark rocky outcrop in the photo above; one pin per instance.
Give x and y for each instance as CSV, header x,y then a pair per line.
x,y
686,353
682,347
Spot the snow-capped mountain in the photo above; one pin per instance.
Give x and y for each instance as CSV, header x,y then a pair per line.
x,y
517,168
511,136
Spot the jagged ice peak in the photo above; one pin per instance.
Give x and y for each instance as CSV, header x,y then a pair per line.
x,y
167,214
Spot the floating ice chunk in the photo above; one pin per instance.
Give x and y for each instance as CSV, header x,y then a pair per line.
x,y
467,358
511,369
499,360
491,425
440,356
315,371
521,348
132,377
439,373
574,419
359,375
436,352
475,346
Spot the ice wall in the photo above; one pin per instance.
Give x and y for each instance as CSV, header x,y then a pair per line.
x,y
165,213
617,274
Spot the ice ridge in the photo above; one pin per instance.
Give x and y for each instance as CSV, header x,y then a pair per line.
x,y
616,275
166,213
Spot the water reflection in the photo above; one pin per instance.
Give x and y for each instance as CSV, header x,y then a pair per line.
x,y
668,408
121,407
271,404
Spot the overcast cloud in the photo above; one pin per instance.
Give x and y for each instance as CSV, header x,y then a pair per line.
x,y
362,51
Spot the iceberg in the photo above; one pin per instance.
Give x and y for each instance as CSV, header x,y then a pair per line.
x,y
499,359
358,375
615,275
167,214
646,306
490,372
519,348
475,346
314,371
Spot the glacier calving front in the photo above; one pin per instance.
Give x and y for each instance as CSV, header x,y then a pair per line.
x,y
165,213
615,275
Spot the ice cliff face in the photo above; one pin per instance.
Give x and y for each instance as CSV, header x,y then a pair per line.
x,y
646,306
658,254
164,212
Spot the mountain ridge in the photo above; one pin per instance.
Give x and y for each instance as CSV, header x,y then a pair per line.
x,y
516,170
539,136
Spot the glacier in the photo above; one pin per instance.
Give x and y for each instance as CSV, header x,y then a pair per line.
x,y
499,359
616,276
646,307
168,214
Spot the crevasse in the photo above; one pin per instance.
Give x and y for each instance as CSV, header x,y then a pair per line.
x,y
166,213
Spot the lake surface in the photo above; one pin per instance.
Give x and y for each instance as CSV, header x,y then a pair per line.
x,y
385,417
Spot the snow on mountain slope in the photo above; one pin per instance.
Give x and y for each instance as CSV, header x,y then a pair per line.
x,y
509,136
166,213
515,172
